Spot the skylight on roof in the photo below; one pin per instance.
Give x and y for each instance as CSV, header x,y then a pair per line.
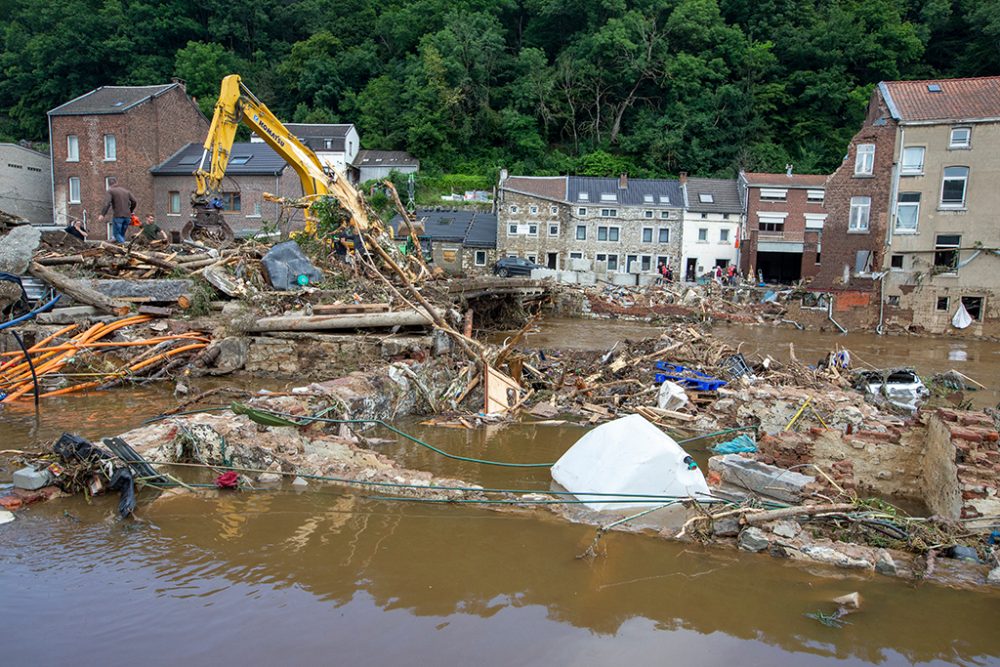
x,y
609,196
584,196
933,88
240,159
664,199
706,198
118,103
648,199
189,160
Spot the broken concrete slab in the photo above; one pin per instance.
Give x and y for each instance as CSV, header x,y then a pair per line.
x,y
753,539
17,248
30,479
165,290
623,279
68,315
761,478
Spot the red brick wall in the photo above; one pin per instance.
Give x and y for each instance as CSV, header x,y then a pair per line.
x,y
145,136
796,206
839,244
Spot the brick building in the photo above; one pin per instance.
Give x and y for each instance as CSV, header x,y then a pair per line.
x,y
713,215
620,224
254,168
857,206
119,131
784,215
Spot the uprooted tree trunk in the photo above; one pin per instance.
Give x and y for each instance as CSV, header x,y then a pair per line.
x,y
78,291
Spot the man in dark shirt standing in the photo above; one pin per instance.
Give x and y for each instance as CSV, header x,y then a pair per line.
x,y
121,203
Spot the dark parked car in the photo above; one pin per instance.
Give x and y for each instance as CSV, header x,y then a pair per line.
x,y
514,266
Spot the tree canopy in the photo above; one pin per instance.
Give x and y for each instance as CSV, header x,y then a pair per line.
x,y
538,86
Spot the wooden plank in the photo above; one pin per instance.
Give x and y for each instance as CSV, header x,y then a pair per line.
x,y
501,393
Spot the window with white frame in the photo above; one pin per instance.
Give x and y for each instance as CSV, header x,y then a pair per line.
x,y
533,210
609,213
961,137
608,233
864,160
72,148
907,212
913,161
576,255
771,222
860,212
581,211
553,229
74,190
664,215
647,234
647,214
646,262
663,235
553,210
514,209
723,236
815,196
110,148
953,187
480,258
612,262
174,203
522,229
256,210
703,234
107,182
581,232
773,194
512,229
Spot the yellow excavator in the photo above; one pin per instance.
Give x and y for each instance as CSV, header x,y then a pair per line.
x,y
238,105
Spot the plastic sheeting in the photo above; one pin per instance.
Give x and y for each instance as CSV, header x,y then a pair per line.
x,y
628,456
285,262
962,319
739,444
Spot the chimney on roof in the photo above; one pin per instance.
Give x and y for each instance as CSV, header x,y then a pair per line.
x,y
683,177
788,169
623,182
179,81
503,176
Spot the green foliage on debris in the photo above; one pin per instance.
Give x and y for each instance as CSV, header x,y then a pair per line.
x,y
592,87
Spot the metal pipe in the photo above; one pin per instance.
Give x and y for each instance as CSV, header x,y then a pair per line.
x,y
829,314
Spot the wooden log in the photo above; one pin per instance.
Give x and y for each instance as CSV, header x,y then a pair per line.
x,y
78,291
351,321
155,311
145,257
801,510
64,259
339,308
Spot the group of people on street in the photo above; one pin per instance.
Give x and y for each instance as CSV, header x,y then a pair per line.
x,y
121,203
727,276
664,274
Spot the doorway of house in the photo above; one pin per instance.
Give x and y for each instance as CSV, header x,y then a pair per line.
x,y
691,273
552,260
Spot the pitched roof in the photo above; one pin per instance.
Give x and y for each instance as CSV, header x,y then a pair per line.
x,y
12,146
321,136
370,158
638,191
786,181
943,99
547,187
247,159
111,100
475,229
723,192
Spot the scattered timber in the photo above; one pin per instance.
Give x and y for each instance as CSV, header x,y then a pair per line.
x,y
79,291
403,318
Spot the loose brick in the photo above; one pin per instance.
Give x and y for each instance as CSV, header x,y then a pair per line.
x,y
962,433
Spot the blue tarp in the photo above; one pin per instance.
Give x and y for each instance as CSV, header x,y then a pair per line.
x,y
738,445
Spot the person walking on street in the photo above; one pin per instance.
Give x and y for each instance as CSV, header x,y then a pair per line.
x,y
121,203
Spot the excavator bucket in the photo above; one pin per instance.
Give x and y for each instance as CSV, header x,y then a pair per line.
x,y
208,227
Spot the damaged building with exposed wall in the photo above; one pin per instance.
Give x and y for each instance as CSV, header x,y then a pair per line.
x,y
911,237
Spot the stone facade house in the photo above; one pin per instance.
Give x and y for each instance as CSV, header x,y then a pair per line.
x,y
121,132
618,224
713,214
462,241
943,237
26,183
784,213
335,144
254,168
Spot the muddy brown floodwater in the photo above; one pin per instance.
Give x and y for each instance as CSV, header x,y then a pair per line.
x,y
327,577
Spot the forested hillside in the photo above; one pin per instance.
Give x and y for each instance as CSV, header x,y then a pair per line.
x,y
541,86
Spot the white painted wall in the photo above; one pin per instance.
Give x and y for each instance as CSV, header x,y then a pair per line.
x,y
712,249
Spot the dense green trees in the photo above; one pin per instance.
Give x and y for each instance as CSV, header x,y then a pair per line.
x,y
542,86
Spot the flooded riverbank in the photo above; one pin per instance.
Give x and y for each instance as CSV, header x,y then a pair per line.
x,y
979,359
325,575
